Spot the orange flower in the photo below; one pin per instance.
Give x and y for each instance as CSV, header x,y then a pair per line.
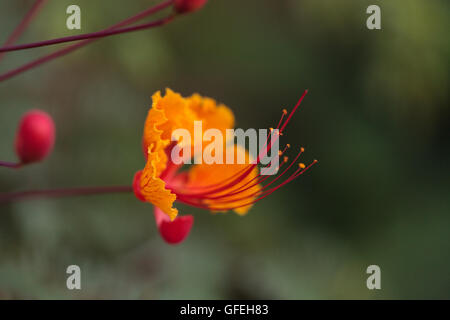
x,y
215,187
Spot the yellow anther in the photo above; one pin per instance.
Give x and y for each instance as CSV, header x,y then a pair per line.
x,y
285,159
285,111
301,165
280,152
288,145
302,149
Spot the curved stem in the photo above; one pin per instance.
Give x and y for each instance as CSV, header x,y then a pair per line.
x,y
70,192
99,34
23,24
73,47
12,165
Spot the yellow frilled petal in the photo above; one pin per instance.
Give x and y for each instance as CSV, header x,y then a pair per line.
x,y
172,112
168,113
202,175
153,189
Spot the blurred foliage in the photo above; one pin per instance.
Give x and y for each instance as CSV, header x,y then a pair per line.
x,y
376,117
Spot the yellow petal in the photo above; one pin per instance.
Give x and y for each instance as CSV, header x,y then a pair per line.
x,y
153,189
152,134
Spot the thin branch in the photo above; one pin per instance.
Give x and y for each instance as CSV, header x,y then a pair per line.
x,y
98,34
66,50
12,165
23,24
70,192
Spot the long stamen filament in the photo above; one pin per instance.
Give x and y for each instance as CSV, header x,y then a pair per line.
x,y
239,173
295,175
239,190
293,110
259,179
299,171
98,34
246,173
197,199
282,117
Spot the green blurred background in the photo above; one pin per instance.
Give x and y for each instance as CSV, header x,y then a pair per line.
x,y
376,117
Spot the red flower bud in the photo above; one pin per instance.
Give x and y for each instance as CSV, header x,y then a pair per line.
x,y
173,232
184,6
35,136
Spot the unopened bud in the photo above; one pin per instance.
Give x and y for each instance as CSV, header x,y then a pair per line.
x,y
176,231
35,136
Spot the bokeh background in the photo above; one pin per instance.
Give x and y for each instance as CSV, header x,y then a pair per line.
x,y
376,117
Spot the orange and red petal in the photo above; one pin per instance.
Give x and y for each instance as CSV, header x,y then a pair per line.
x,y
153,189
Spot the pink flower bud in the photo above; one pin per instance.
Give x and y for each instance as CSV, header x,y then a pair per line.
x,y
35,136
184,6
173,232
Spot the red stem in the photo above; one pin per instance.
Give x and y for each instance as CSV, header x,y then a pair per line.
x,y
23,24
11,165
73,47
250,167
10,196
98,34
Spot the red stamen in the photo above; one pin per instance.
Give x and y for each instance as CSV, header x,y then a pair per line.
x,y
238,177
246,171
219,189
284,150
296,174
267,177
260,178
282,116
214,185
293,110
